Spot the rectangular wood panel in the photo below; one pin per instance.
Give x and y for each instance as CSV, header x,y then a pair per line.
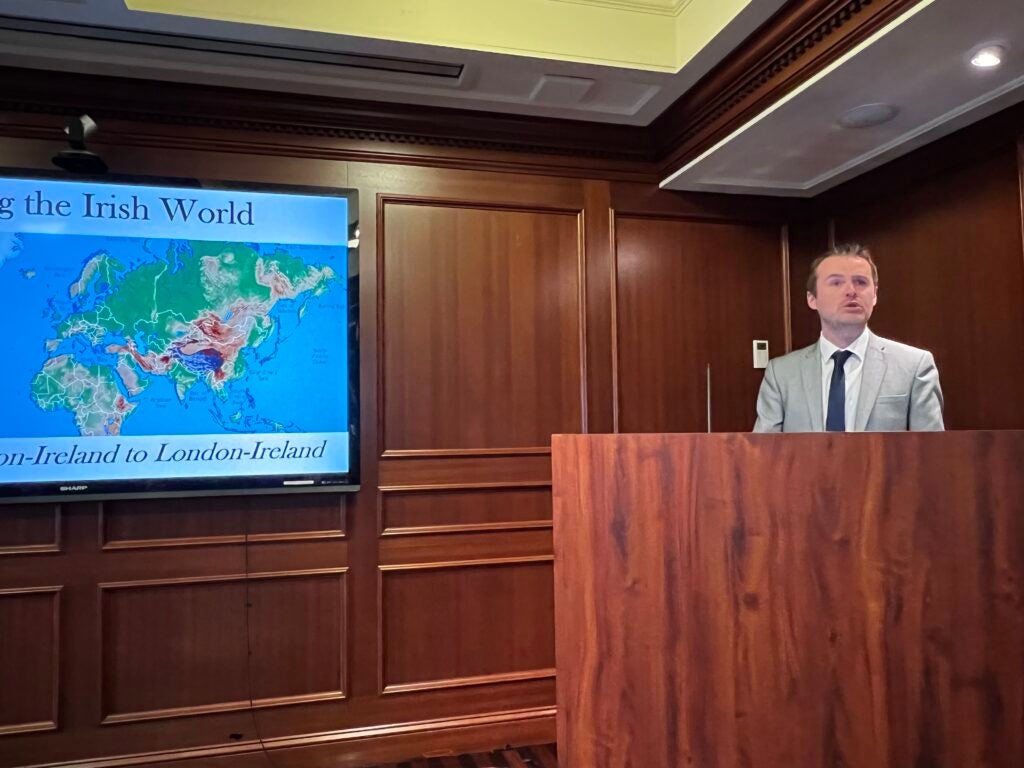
x,y
951,279
692,294
466,623
29,659
481,327
438,510
213,520
173,648
298,634
26,528
183,647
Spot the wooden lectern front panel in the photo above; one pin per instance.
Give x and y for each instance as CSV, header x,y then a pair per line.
x,y
766,601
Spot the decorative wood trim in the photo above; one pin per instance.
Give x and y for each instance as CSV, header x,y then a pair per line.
x,y
206,541
462,682
426,685
787,305
614,278
42,725
465,486
107,545
383,123
420,530
419,453
473,205
232,706
424,530
443,564
690,218
374,739
227,706
799,41
54,722
256,576
1020,178
38,549
581,317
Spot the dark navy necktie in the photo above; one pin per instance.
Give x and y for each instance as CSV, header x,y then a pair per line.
x,y
836,420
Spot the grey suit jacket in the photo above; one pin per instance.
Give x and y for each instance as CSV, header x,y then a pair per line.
x,y
899,391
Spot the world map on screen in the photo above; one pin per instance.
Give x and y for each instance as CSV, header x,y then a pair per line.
x,y
138,336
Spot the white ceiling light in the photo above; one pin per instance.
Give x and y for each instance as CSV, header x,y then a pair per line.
x,y
988,57
868,115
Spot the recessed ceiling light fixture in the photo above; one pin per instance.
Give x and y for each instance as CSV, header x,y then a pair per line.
x,y
868,115
988,57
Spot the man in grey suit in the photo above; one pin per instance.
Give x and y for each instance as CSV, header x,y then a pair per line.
x,y
849,380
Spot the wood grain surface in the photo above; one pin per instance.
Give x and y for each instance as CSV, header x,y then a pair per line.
x,y
767,601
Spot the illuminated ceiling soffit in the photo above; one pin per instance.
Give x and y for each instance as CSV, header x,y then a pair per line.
x,y
653,35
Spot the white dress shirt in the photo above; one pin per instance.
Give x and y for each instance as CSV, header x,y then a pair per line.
x,y
852,371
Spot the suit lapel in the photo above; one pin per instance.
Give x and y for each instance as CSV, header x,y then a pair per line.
x,y
871,382
810,375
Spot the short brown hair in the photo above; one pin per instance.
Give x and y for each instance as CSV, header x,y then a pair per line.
x,y
846,249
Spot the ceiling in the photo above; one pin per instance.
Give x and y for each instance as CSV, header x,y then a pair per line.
x,y
919,64
611,61
606,61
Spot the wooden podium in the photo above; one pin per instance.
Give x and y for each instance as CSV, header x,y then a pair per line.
x,y
790,601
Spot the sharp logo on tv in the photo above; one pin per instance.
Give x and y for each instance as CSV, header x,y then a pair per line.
x,y
172,338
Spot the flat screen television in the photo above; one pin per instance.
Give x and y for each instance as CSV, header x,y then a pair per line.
x,y
176,337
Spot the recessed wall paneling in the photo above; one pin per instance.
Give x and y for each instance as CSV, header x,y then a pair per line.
x,y
298,635
211,520
692,294
481,322
951,278
182,647
29,659
466,623
427,510
26,528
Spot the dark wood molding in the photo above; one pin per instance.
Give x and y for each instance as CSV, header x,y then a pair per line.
x,y
799,41
359,745
382,123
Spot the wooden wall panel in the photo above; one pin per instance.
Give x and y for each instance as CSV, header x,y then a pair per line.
x,y
29,528
466,623
182,647
481,327
217,520
297,636
29,659
174,648
448,510
692,294
951,279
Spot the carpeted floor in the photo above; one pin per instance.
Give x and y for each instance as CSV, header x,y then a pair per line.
x,y
521,757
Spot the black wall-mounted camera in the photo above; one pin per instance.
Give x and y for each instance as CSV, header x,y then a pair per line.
x,y
78,159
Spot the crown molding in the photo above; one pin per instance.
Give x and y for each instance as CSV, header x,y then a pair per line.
x,y
790,48
127,99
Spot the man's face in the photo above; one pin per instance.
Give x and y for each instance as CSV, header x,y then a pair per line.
x,y
846,291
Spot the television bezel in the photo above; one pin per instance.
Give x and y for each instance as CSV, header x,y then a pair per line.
x,y
222,485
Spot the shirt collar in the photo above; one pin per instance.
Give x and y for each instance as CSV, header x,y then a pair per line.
x,y
859,347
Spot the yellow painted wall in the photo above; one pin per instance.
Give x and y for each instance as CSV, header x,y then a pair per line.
x,y
642,36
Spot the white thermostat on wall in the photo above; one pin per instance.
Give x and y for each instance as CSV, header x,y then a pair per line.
x,y
760,353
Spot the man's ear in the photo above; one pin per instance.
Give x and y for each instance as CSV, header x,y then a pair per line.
x,y
812,300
